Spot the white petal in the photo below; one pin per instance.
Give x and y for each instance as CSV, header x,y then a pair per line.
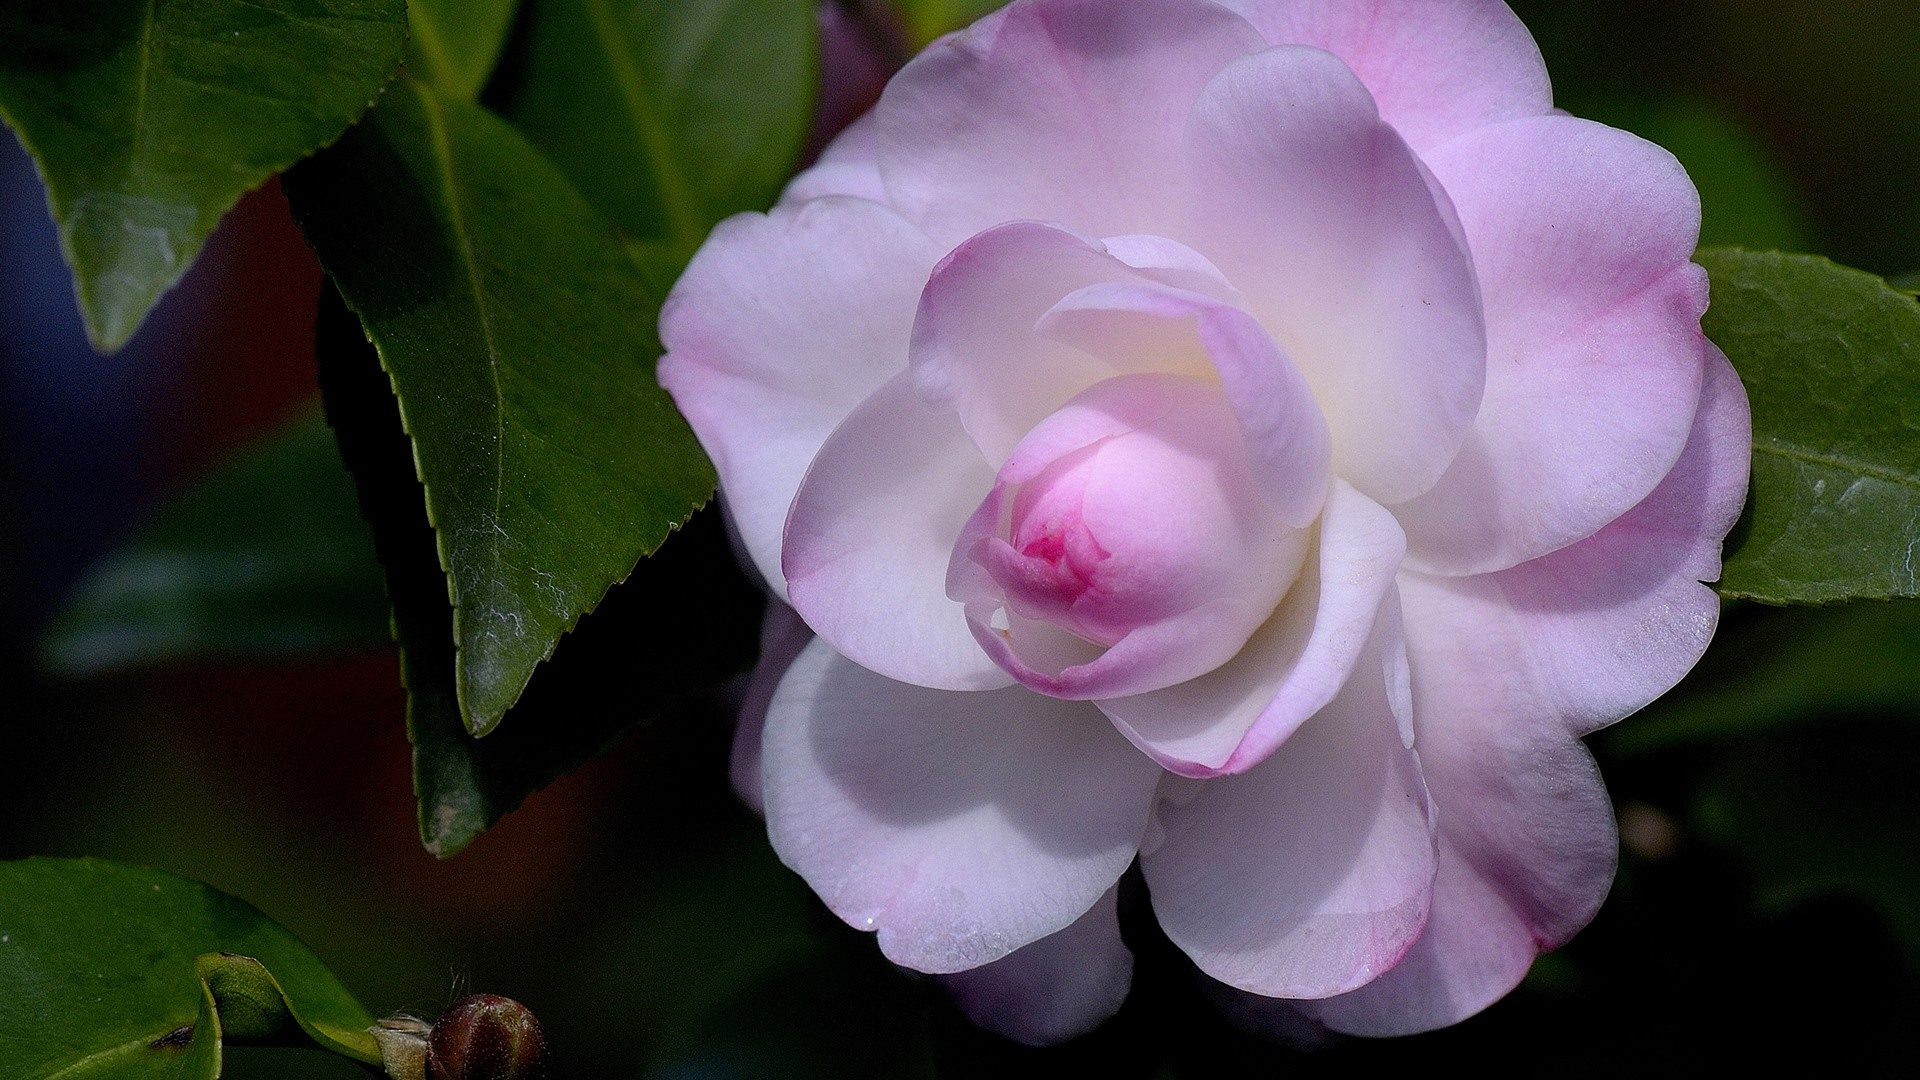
x,y
959,826
779,327
1057,988
872,529
1311,874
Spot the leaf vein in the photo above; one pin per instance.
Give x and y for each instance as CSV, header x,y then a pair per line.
x,y
443,152
1836,461
644,113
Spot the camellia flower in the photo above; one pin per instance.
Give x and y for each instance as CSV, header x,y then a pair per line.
x,y
1257,438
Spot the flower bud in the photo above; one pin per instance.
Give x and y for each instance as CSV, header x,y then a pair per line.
x,y
486,1037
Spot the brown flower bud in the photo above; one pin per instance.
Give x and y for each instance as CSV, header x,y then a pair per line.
x,y
486,1037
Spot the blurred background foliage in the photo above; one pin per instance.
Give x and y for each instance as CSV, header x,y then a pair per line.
x,y
1769,893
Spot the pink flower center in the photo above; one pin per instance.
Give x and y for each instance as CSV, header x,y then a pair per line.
x,y
1051,566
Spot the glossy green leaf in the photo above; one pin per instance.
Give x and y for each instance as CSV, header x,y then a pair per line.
x,y
624,665
116,972
1831,361
150,118
1770,668
455,42
928,19
519,338
670,114
265,555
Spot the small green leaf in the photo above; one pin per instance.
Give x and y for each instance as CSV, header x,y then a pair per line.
x,y
670,114
455,42
1769,668
150,118
519,338
1831,361
265,555
116,972
625,664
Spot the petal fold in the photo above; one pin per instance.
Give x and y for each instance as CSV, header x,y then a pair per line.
x,y
1058,110
1508,670
1437,70
1150,326
1231,718
1594,356
1311,874
1372,293
871,532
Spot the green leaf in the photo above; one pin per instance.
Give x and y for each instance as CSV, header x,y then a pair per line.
x,y
150,118
1831,361
120,972
670,114
928,19
519,338
455,42
624,665
1769,668
265,555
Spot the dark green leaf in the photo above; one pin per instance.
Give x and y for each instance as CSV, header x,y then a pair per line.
x,y
1831,361
455,42
265,555
150,119
519,337
928,19
1833,812
684,620
670,114
1772,667
120,972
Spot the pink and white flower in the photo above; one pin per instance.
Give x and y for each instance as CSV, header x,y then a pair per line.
x,y
1257,438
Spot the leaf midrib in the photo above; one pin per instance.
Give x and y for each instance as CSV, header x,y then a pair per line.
x,y
675,196
1796,453
443,158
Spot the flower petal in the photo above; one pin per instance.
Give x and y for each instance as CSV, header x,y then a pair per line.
x,y
1129,520
959,826
870,535
782,635
1056,110
1287,443
974,346
1059,987
1527,851
778,328
1371,293
1311,874
1616,620
1593,339
850,165
1509,669
1437,70
1233,717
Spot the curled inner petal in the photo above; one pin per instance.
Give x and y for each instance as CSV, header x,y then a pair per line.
x,y
1126,544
